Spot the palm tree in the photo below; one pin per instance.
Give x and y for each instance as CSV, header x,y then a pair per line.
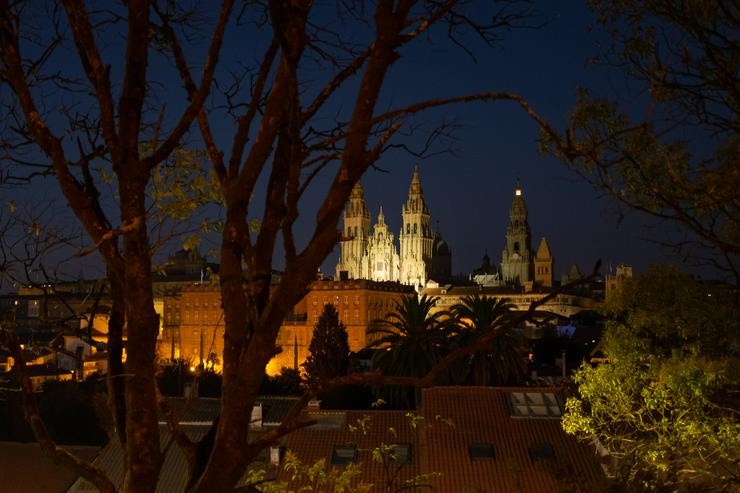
x,y
500,363
411,341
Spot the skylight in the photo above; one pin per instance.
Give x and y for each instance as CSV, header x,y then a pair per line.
x,y
481,451
401,453
535,405
343,455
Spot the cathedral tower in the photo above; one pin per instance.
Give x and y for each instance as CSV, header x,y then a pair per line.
x,y
516,259
416,236
356,232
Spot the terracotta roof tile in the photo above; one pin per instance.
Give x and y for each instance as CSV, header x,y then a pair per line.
x,y
482,415
384,427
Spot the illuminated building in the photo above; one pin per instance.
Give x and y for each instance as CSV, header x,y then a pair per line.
x,y
194,327
373,254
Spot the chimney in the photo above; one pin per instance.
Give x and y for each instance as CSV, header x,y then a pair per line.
x,y
256,422
275,455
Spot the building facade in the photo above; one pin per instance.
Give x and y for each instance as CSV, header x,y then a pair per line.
x,y
193,325
374,254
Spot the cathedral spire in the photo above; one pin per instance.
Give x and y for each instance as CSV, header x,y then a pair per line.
x,y
357,191
356,206
415,180
415,201
381,216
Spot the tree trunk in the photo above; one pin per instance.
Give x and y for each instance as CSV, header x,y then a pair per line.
x,y
143,455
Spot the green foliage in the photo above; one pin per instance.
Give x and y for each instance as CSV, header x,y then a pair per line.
x,y
411,342
329,349
319,477
312,477
665,311
183,184
664,403
500,362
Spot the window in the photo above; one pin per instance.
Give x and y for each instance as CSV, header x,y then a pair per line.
x,y
343,455
541,451
535,405
34,308
414,228
408,228
401,453
481,451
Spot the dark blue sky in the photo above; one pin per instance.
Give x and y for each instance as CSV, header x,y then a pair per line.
x,y
469,191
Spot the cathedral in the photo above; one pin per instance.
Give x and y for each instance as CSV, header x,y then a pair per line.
x,y
373,253
519,266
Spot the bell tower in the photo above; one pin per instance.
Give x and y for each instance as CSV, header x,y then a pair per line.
x,y
543,263
416,236
355,233
516,259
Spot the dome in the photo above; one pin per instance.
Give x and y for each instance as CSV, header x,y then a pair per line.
x,y
486,267
440,247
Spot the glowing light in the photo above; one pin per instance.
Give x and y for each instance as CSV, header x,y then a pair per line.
x,y
192,368
518,192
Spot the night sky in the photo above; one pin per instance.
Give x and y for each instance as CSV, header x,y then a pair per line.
x,y
469,192
468,180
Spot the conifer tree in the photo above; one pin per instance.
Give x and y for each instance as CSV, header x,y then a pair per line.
x,y
329,350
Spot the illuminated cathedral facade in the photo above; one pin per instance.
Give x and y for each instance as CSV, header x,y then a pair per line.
x,y
372,253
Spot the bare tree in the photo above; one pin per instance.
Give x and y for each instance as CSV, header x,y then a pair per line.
x,y
110,119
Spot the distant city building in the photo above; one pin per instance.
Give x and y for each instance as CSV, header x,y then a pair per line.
x,y
373,254
574,274
194,327
543,264
564,305
487,274
615,280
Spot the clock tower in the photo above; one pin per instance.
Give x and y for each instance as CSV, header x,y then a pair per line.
x,y
516,259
